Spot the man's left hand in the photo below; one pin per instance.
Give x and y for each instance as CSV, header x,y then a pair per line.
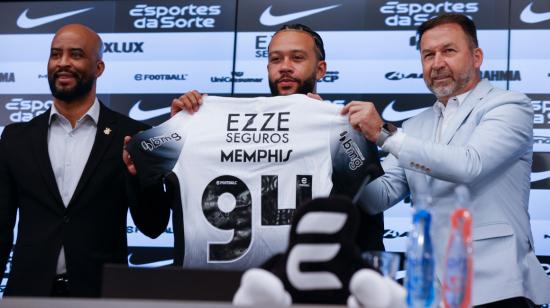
x,y
364,118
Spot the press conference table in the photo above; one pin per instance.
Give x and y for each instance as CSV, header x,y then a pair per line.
x,y
24,302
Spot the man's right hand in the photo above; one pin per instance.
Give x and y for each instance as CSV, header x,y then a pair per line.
x,y
126,157
189,102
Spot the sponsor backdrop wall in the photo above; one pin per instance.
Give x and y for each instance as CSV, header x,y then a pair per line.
x,y
157,50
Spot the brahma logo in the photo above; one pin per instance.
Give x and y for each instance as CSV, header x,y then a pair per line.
x,y
157,141
7,77
179,17
414,14
501,75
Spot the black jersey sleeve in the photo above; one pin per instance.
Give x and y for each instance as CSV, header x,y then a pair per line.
x,y
355,161
156,151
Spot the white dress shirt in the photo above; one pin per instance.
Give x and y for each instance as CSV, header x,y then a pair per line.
x,y
394,142
69,149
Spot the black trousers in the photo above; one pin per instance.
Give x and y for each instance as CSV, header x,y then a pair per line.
x,y
60,286
515,302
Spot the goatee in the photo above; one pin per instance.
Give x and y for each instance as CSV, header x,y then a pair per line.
x,y
82,87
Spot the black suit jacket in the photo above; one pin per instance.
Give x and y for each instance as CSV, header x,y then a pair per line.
x,y
92,229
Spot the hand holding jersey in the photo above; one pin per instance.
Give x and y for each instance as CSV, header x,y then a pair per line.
x,y
234,156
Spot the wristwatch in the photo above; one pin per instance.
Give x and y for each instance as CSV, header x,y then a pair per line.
x,y
386,131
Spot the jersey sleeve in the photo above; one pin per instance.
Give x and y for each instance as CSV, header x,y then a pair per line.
x,y
156,151
355,160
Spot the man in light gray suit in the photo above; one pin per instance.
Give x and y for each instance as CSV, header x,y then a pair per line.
x,y
475,135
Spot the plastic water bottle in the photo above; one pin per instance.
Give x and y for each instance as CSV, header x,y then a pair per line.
x,y
457,279
420,263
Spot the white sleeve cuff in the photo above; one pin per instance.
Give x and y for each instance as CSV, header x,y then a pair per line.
x,y
393,143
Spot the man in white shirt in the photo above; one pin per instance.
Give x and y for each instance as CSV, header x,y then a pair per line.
x,y
475,135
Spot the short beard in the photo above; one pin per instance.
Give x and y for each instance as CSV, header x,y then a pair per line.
x,y
454,87
82,88
305,86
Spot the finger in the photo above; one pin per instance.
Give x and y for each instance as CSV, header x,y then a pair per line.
x,y
314,96
348,106
189,104
195,97
176,106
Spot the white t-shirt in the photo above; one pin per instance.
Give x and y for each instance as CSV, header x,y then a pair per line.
x,y
243,165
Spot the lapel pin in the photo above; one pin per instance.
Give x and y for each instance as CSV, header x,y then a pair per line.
x,y
107,131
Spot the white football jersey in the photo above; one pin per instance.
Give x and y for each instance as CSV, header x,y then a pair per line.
x,y
244,165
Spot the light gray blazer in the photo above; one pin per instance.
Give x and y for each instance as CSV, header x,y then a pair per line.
x,y
487,147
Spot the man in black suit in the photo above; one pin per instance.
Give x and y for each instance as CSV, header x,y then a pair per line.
x,y
64,172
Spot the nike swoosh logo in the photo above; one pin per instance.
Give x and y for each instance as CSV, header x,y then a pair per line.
x,y
139,114
23,21
267,19
530,17
392,115
538,176
151,264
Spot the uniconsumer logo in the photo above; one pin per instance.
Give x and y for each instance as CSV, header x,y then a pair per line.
x,y
236,77
26,22
268,19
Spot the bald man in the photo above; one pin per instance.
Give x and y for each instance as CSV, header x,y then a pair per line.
x,y
64,173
